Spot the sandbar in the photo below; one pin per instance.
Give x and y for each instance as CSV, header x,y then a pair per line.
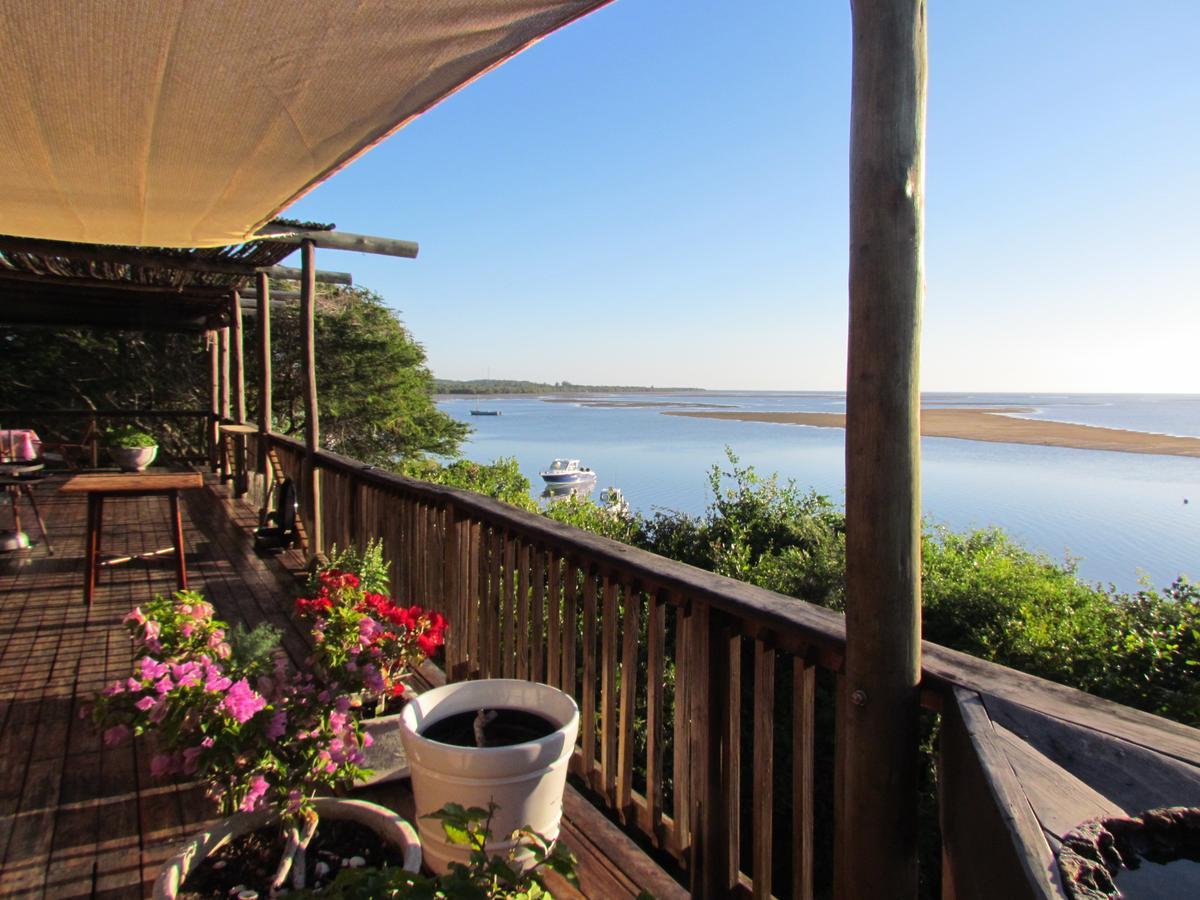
x,y
991,424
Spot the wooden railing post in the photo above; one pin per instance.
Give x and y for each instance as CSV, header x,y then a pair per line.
x,y
877,831
214,392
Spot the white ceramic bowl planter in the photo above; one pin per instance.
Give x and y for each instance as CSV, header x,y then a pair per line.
x,y
525,781
133,459
385,823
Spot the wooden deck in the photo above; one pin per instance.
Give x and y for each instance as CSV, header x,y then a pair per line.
x,y
78,819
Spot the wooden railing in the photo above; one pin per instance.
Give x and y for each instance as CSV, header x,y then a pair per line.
x,y
711,709
187,441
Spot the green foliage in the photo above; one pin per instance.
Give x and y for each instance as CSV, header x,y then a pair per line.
x,y
501,480
376,394
45,369
485,876
368,564
252,650
129,436
584,513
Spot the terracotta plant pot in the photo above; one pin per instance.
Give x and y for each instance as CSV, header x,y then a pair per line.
x,y
385,823
526,781
133,459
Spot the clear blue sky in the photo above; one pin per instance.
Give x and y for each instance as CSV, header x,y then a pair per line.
x,y
658,195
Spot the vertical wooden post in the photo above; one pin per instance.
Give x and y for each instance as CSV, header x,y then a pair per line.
x,y
223,356
214,391
308,361
264,368
878,827
238,358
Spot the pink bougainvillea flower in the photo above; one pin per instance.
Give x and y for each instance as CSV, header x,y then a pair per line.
x,y
258,787
146,703
161,765
277,727
135,617
242,702
116,735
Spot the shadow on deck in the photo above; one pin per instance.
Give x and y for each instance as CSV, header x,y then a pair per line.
x,y
79,819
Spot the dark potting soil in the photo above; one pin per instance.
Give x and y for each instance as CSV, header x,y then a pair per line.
x,y
251,860
505,728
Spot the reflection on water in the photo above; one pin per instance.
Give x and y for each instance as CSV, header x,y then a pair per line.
x,y
1123,513
562,491
1157,881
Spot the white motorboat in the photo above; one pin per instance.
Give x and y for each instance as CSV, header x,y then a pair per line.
x,y
567,471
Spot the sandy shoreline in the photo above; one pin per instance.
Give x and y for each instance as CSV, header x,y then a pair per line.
x,y
990,425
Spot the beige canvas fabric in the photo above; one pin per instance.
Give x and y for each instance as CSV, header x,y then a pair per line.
x,y
189,123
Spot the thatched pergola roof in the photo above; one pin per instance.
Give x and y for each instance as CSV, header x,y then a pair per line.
x,y
59,283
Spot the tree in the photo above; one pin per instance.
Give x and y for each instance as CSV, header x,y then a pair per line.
x,y
374,391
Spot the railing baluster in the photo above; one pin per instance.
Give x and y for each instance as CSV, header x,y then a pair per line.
x,y
629,683
731,754
588,688
479,563
508,615
804,721
490,632
523,585
570,627
608,688
681,715
764,770
655,647
554,619
536,620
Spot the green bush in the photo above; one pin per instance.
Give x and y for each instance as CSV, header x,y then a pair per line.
x,y
129,436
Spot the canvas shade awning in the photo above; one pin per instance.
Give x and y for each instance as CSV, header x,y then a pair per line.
x,y
190,123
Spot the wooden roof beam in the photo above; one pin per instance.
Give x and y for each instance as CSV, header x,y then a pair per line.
x,y
338,240
288,273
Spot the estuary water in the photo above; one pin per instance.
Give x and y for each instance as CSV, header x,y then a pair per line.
x,y
1122,516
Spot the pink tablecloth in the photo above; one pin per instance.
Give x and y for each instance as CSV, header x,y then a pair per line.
x,y
19,445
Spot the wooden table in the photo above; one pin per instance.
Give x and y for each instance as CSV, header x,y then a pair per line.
x,y
98,486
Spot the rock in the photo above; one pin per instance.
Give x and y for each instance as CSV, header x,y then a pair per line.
x,y
357,862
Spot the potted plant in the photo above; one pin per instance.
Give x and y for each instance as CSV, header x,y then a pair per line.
x,y
224,708
131,448
485,876
367,645
493,742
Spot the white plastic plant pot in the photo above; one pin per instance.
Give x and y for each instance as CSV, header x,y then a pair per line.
x,y
385,823
385,757
526,781
133,459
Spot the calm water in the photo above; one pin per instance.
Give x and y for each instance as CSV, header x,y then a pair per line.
x,y
1122,514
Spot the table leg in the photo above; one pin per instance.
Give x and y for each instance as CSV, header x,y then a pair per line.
x,y
95,513
37,514
180,559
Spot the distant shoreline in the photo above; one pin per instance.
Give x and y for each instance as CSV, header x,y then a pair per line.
x,y
991,425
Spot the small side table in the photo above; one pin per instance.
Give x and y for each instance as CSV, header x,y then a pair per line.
x,y
234,445
99,486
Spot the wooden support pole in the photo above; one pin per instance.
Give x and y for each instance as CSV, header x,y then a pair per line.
x,y
878,827
239,359
223,355
214,394
264,368
311,501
